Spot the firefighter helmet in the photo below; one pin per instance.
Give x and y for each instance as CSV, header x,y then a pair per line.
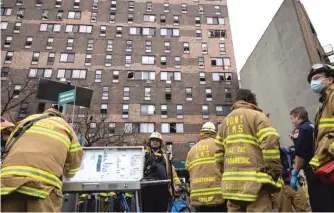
x,y
321,68
208,127
6,125
156,135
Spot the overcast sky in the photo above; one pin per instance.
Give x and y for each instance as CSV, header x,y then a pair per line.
x,y
250,18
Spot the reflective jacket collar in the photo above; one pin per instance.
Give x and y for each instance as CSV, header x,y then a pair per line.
x,y
245,105
327,93
206,135
55,112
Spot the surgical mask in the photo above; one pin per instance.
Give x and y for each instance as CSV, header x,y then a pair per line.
x,y
317,86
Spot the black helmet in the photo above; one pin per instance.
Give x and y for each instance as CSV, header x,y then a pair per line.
x,y
321,68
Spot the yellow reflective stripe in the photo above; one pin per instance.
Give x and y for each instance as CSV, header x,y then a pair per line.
x,y
250,176
75,147
262,133
202,162
271,154
7,190
241,138
270,151
220,138
206,189
205,193
219,142
326,120
200,159
49,133
25,190
239,196
34,173
72,171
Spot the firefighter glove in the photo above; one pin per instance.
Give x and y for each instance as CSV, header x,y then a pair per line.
x,y
294,178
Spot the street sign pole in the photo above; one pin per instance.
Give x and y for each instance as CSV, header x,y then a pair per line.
x,y
75,89
68,97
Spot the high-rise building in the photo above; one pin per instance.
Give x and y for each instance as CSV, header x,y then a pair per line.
x,y
153,65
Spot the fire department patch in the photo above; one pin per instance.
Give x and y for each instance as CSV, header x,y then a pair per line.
x,y
296,133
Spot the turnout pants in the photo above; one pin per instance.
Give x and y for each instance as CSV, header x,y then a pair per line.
x,y
17,202
288,197
263,203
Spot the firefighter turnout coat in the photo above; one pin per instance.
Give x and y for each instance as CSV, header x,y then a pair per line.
x,y
324,130
38,160
205,176
249,153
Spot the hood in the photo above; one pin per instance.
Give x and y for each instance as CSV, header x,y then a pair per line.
x,y
53,111
245,105
206,135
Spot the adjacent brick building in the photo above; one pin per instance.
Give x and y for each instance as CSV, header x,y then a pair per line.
x,y
153,65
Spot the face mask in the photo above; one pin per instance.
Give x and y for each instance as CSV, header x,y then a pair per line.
x,y
317,86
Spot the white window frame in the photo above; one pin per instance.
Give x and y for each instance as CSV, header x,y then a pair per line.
x,y
202,76
147,94
28,39
125,108
179,107
208,91
148,60
98,76
146,127
103,30
108,58
126,93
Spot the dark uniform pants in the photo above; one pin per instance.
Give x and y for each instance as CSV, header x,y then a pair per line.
x,y
155,198
263,203
17,202
219,208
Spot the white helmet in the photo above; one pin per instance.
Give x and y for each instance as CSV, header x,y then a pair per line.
x,y
208,127
156,135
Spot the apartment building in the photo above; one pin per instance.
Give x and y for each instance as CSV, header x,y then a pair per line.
x,y
157,65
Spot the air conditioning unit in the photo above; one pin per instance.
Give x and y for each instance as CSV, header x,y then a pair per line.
x,y
59,17
45,16
90,46
95,6
93,19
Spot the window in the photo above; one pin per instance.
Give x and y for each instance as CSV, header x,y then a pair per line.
x,y
128,46
179,111
103,30
148,46
4,25
74,15
167,46
69,45
130,18
164,111
220,62
217,33
113,5
20,13
163,60
88,60
51,58
147,109
110,45
149,6
202,77
108,60
201,62
70,28
215,21
115,76
34,72
40,107
125,111
18,2
169,32
149,18
228,94
17,27
76,4
17,90
128,60
92,127
221,76
131,5
59,15
98,76
147,31
90,45
222,49
95,5
9,57
58,3
168,94
205,111
198,34
208,94
189,94
162,19
141,75
217,9
93,17
177,62
176,20
105,93
223,110
104,109
23,111
170,76
200,9
131,127
172,128
49,28
112,128
67,57
126,93
148,60
112,17
49,43
4,73
186,48
197,21
204,48
69,73
8,42
45,15
79,74
119,31
147,127
184,8
147,94
6,11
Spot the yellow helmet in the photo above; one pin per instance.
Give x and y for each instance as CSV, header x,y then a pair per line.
x,y
156,135
208,127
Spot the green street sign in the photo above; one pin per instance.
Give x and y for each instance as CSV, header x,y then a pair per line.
x,y
67,97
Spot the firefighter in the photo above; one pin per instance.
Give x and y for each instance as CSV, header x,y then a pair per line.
x,y
205,176
248,154
6,129
321,79
158,167
41,151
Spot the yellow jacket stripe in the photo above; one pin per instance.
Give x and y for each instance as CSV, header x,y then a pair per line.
x,y
190,163
326,123
49,133
34,173
219,140
25,190
212,161
239,196
75,147
270,154
241,138
315,161
265,132
206,193
206,189
72,171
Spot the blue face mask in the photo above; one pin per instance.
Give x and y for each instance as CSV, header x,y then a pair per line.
x,y
317,86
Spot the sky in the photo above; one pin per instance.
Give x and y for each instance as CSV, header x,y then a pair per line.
x,y
248,24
